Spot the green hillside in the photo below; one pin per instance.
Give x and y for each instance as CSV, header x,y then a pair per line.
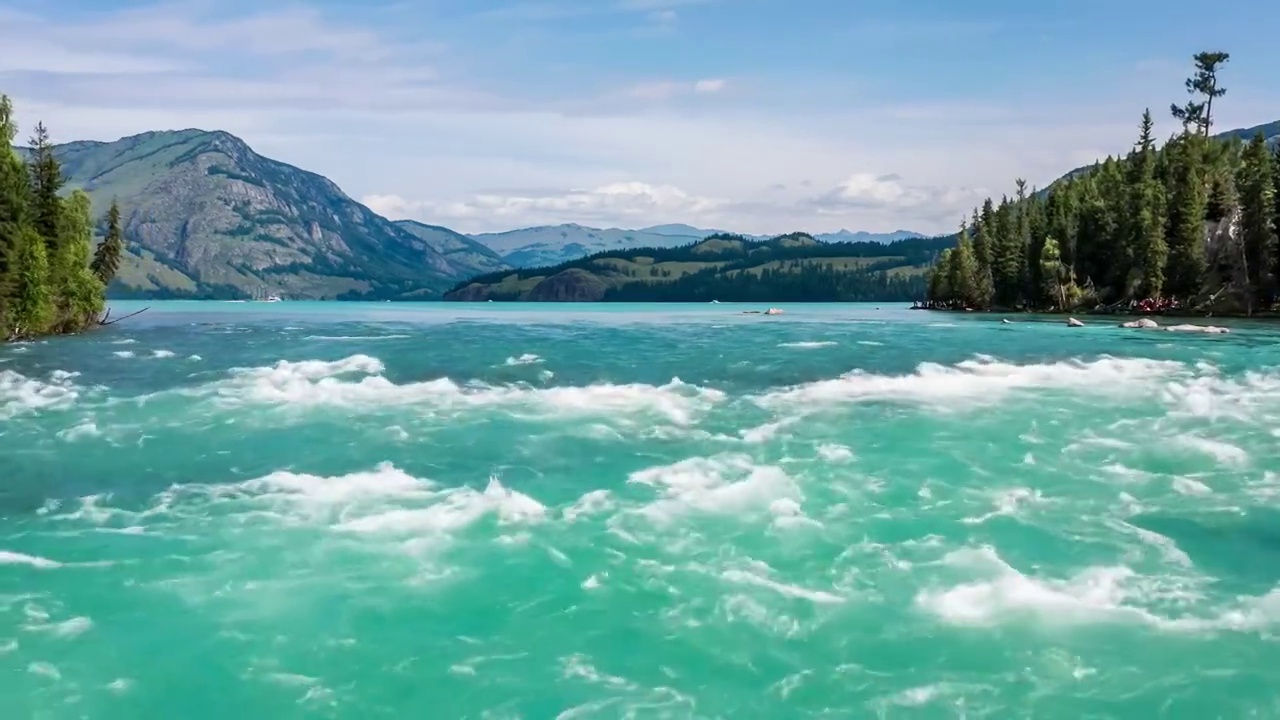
x,y
730,268
206,216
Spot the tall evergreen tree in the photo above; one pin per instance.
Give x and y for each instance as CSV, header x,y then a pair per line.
x,y
13,209
46,182
1203,84
1188,204
106,259
1257,217
962,275
1147,214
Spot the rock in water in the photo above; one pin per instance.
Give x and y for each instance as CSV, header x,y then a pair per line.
x,y
1210,329
1072,322
1141,323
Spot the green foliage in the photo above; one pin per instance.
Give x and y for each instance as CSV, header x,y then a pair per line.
x,y
1257,218
46,285
1158,222
13,208
32,307
731,268
106,259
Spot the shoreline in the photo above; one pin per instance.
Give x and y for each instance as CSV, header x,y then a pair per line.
x,y
1188,315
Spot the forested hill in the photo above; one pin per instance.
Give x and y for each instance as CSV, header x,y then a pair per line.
x,y
1190,224
731,268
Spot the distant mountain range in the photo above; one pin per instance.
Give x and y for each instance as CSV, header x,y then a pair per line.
x,y
726,268
552,245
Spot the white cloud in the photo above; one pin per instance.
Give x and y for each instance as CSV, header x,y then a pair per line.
x,y
619,203
710,85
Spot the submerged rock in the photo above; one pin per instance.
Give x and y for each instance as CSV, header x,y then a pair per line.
x,y
1072,322
1141,323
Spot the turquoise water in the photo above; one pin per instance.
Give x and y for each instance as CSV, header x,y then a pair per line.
x,y
283,510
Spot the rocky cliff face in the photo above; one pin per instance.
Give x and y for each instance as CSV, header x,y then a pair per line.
x,y
206,215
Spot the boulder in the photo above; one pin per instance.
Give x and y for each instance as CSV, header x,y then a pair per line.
x,y
1146,323
1210,329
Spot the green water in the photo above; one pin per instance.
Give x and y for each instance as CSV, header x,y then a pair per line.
x,y
221,510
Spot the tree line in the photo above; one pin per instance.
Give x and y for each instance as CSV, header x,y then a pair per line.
x,y
738,252
52,280
1191,223
812,281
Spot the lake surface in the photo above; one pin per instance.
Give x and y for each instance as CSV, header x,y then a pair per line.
x,y
336,510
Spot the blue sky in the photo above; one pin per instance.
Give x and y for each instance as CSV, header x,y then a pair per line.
x,y
758,115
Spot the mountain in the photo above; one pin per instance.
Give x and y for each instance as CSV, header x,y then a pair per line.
x,y
682,230
550,245
864,236
465,256
727,268
206,216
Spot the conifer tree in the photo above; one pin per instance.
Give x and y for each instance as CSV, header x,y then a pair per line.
x,y
1147,214
1257,217
962,275
1188,204
46,182
106,259
1204,84
13,210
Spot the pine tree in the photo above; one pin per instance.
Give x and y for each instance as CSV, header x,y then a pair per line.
x,y
939,277
1257,218
962,276
1199,114
1147,215
1006,260
1188,204
106,259
13,210
46,182
1275,214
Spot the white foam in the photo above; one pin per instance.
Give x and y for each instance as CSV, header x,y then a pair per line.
x,y
86,429
786,590
161,354
871,343
525,359
727,483
1095,595
810,344
355,337
317,382
16,558
123,354
20,395
125,341
834,453
980,381
1223,452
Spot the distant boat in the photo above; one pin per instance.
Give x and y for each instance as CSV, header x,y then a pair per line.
x,y
272,298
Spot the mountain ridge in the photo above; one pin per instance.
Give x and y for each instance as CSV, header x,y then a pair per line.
x,y
204,215
725,267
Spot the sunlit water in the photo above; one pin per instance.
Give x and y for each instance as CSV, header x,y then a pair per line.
x,y
219,510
